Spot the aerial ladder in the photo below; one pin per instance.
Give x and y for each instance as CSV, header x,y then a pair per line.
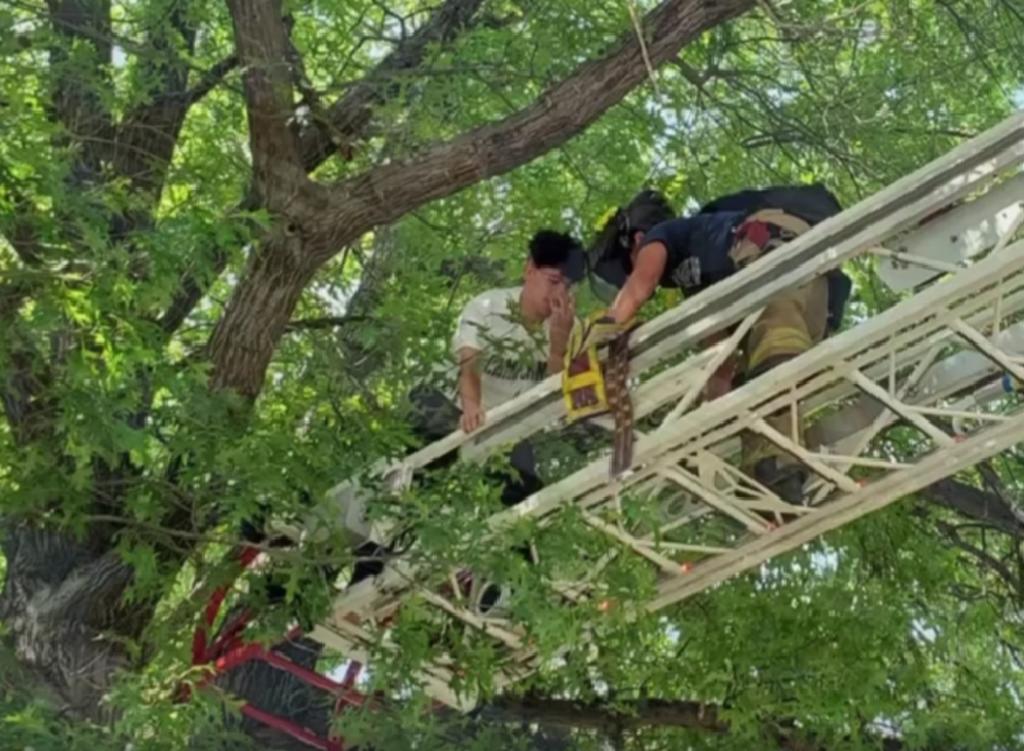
x,y
946,361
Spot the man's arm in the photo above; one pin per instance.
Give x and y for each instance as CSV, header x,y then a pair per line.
x,y
470,390
647,272
556,356
563,316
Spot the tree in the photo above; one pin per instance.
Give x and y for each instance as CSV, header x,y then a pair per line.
x,y
173,361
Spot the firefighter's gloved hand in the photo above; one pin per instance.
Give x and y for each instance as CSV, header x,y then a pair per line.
x,y
599,328
583,379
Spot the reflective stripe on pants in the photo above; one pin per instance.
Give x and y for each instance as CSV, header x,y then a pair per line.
x,y
792,322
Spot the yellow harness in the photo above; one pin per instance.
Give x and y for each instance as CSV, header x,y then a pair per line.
x,y
583,377
590,389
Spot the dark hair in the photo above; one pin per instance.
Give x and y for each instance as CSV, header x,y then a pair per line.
x,y
557,250
609,256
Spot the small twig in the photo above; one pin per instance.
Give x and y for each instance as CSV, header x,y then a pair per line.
x,y
994,564
292,554
769,11
211,78
326,322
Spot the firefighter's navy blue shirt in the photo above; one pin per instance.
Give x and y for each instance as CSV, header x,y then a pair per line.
x,y
698,249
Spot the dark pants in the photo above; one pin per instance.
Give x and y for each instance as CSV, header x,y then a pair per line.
x,y
435,416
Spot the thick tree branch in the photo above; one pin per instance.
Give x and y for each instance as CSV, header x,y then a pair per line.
x,y
347,119
975,504
387,192
78,102
337,215
258,312
609,720
146,136
326,322
340,126
210,79
653,712
261,40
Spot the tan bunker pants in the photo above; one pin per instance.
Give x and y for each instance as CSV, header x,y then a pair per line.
x,y
792,322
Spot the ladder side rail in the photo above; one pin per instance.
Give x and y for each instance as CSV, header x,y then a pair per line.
x,y
717,420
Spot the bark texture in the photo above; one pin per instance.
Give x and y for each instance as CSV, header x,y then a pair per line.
x,y
62,599
330,216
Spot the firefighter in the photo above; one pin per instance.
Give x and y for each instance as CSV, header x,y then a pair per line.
x,y
644,246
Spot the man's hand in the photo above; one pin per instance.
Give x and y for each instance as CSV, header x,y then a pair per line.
x,y
560,325
717,386
473,417
720,382
563,316
470,389
600,328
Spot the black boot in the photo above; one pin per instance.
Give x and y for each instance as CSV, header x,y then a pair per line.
x,y
786,480
491,595
370,561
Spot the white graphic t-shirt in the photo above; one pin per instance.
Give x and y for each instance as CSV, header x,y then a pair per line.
x,y
512,358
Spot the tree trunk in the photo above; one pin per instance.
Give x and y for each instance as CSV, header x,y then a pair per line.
x,y
243,343
62,599
59,603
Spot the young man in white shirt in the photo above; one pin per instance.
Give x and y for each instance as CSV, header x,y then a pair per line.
x,y
509,339
506,340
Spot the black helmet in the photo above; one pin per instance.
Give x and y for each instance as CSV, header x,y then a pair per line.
x,y
608,258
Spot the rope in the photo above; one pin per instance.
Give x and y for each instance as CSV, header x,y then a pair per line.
x,y
643,45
